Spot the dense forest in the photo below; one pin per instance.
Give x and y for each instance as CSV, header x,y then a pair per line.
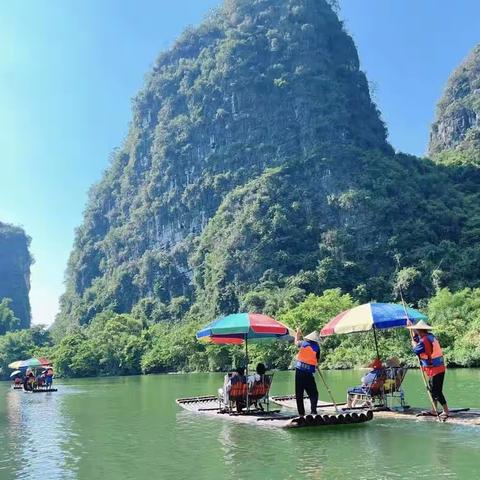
x,y
15,261
257,176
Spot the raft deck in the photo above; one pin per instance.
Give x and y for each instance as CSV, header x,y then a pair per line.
x,y
208,405
459,416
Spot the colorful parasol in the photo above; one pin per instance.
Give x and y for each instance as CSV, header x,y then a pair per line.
x,y
238,328
369,316
30,363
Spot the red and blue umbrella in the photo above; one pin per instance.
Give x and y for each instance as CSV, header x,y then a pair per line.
x,y
238,328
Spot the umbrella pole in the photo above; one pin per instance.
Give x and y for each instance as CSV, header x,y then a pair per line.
x,y
246,366
375,339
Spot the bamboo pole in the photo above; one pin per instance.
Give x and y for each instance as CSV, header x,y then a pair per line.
x,y
328,389
425,382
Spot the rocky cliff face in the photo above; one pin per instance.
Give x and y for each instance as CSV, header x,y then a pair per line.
x,y
15,261
258,83
256,161
455,134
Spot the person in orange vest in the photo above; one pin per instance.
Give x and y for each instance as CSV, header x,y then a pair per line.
x,y
305,366
428,349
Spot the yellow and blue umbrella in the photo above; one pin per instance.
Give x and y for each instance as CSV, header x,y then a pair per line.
x,y
371,316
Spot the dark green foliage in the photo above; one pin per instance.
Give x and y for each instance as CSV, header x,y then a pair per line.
x,y
116,344
341,224
113,344
15,261
8,320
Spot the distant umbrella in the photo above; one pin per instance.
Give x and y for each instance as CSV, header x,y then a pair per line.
x,y
15,373
30,363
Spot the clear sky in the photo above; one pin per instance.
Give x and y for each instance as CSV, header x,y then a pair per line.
x,y
69,69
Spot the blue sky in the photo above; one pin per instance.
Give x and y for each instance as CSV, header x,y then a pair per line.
x,y
69,69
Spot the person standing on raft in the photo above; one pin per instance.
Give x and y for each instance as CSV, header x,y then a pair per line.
x,y
306,364
428,349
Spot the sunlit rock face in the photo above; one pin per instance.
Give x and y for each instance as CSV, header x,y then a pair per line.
x,y
455,134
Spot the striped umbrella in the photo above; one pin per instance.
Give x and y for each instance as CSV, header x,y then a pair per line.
x,y
239,328
30,363
243,327
371,316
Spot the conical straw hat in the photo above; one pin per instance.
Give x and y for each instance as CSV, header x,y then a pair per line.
x,y
314,337
421,325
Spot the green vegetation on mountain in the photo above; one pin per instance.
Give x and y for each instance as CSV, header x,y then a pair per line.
x,y
258,85
15,261
256,176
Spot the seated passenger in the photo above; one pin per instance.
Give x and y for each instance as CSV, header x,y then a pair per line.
x,y
258,376
372,382
29,381
40,380
374,377
393,375
237,376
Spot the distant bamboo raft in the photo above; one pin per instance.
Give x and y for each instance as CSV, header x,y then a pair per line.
x,y
41,390
208,405
459,416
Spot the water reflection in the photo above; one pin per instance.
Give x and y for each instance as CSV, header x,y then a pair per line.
x,y
38,436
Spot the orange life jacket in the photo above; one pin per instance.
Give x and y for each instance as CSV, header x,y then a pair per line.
x,y
432,364
307,355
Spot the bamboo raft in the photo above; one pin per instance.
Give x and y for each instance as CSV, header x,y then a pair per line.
x,y
208,405
41,390
458,416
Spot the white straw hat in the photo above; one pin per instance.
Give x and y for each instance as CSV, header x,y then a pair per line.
x,y
314,337
421,325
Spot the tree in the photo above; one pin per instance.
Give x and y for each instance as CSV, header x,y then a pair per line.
x,y
8,321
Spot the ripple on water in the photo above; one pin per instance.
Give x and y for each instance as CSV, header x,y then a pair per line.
x,y
38,436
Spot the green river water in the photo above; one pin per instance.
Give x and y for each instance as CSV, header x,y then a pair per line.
x,y
131,428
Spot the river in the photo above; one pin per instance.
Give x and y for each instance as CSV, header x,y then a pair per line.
x,y
130,428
